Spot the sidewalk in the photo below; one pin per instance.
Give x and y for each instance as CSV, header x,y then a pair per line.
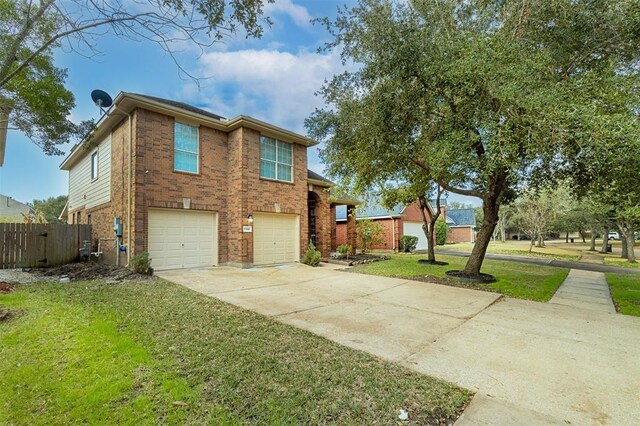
x,y
584,266
585,290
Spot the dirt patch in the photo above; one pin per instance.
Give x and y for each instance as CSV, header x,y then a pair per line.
x,y
6,287
90,271
433,262
480,278
8,314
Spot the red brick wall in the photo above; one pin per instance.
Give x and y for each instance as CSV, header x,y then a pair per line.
x,y
341,233
228,182
460,235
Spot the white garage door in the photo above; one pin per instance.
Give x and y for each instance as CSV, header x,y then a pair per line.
x,y
415,229
182,239
276,238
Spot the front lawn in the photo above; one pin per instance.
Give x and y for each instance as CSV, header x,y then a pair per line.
x,y
521,248
523,281
618,261
157,353
625,292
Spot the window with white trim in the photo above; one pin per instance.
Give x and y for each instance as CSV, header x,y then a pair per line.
x,y
276,159
94,166
186,148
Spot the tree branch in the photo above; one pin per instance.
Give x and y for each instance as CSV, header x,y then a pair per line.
x,y
446,186
63,34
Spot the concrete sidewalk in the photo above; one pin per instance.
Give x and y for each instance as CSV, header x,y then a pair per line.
x,y
528,362
585,290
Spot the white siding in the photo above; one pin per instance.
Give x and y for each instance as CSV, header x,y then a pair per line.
x,y
82,190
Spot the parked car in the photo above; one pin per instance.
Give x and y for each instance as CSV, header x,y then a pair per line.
x,y
521,237
613,235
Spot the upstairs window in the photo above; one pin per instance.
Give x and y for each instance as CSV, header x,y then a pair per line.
x,y
94,166
186,148
276,159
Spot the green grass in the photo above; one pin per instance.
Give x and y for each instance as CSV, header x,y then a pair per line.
x,y
519,280
618,261
521,248
625,291
97,353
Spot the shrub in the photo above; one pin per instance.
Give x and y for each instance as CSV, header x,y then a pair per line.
x,y
312,256
344,249
369,234
408,243
442,230
141,264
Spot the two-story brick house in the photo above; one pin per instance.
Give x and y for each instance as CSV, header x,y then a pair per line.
x,y
195,189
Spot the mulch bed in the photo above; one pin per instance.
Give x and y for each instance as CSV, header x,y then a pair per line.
x,y
357,259
480,278
89,271
6,287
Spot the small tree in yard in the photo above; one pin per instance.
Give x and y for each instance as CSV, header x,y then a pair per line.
x,y
312,257
370,234
442,230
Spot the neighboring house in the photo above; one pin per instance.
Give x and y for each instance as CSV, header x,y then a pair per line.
x,y
462,224
195,189
396,222
12,210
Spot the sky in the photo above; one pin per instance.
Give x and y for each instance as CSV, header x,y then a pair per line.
x,y
273,79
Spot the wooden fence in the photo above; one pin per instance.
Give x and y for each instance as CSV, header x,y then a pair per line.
x,y
26,245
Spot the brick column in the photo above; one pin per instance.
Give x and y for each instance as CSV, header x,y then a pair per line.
x,y
352,239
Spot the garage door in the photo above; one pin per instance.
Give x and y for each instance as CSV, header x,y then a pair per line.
x,y
415,229
276,238
182,239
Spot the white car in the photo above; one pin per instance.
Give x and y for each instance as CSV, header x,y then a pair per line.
x,y
614,235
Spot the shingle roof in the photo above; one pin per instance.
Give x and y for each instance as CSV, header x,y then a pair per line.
x,y
313,175
372,211
462,217
182,105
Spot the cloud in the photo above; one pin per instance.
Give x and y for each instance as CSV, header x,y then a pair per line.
x,y
298,14
271,85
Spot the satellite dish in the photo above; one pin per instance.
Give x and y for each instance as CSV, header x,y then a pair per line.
x,y
101,99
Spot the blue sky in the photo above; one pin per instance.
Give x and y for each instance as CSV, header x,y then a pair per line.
x,y
273,79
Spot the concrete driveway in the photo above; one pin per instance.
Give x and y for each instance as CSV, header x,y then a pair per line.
x,y
529,362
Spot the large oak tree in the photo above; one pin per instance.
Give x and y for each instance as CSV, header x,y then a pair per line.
x,y
477,94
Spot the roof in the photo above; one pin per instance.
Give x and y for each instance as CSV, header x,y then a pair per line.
x,y
462,217
371,212
182,105
321,180
125,103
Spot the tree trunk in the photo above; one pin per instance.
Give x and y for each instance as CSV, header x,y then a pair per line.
x,y
490,207
503,230
593,241
533,240
628,242
623,243
429,226
605,240
566,238
582,235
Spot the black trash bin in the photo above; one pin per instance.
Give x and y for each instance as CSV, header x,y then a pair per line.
x,y
609,248
571,239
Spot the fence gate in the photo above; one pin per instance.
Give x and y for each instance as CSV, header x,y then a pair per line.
x,y
28,245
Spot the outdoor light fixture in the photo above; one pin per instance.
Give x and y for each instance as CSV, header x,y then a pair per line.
x,y
250,218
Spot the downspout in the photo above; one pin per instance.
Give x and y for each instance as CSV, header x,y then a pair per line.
x,y
129,245
393,233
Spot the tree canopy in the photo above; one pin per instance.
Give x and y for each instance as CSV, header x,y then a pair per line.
x,y
476,94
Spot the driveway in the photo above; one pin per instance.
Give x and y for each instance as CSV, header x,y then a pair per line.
x,y
529,362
